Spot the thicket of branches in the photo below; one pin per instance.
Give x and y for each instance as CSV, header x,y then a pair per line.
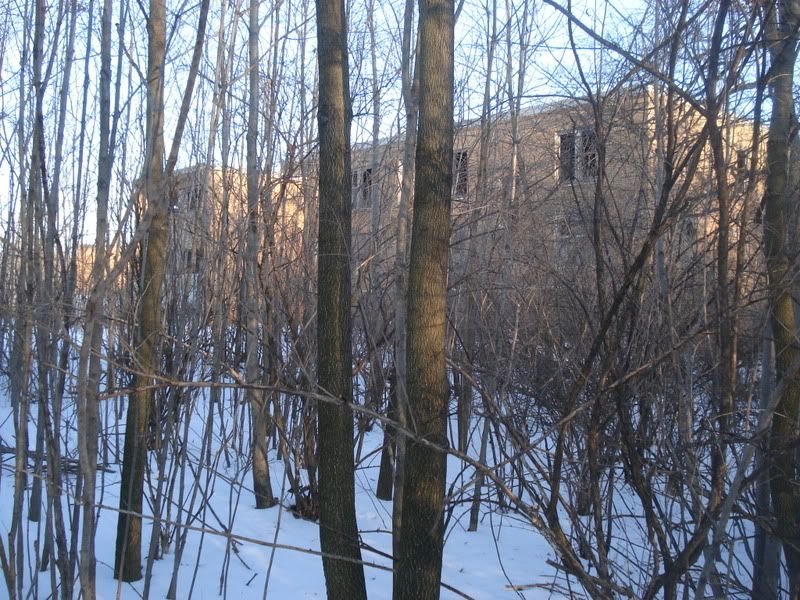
x,y
621,360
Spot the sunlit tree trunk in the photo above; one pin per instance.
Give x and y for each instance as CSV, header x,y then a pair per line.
x,y
156,176
419,557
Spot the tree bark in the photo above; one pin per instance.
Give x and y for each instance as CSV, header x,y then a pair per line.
x,y
418,561
127,565
766,551
256,398
90,362
14,565
338,527
410,85
782,36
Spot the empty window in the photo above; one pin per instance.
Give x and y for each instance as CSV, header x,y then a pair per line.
x,y
193,260
742,163
355,188
566,157
362,188
577,155
199,257
588,154
366,187
570,223
194,198
461,174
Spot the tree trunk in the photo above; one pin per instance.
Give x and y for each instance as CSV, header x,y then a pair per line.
x,y
782,36
127,565
419,558
766,551
475,507
410,83
90,362
256,398
383,490
338,527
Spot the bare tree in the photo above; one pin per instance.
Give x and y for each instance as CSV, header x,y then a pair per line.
x,y
409,76
344,578
156,175
418,561
21,358
256,398
782,21
127,565
90,363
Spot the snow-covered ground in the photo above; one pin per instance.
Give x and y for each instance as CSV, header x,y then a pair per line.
x,y
505,550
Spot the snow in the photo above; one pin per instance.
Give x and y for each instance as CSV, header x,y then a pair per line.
x,y
505,550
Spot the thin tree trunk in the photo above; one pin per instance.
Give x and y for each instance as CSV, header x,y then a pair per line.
x,y
372,306
515,99
383,489
767,549
410,85
55,378
41,271
127,565
88,380
21,358
481,201
306,343
475,508
218,103
256,398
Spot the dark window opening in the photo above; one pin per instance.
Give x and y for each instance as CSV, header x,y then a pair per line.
x,y
577,156
193,260
361,188
354,188
589,154
742,163
199,258
194,198
366,188
461,174
566,157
